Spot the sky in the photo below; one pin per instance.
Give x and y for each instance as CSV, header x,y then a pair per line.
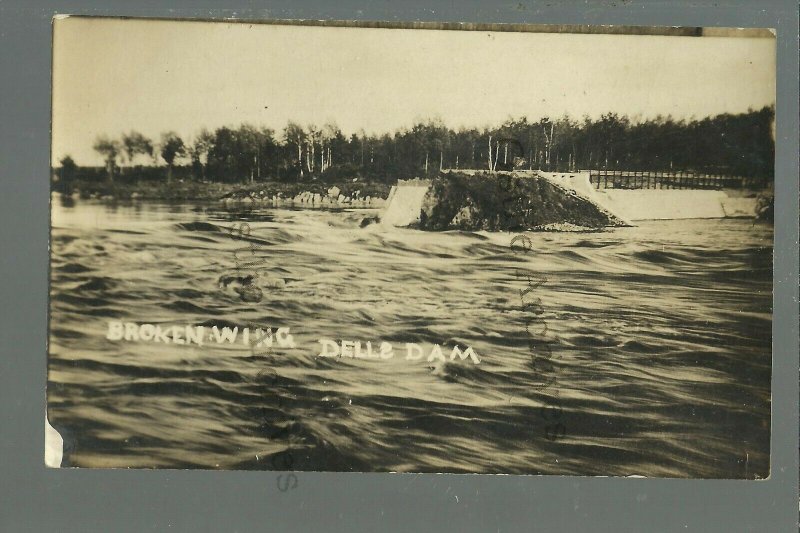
x,y
114,75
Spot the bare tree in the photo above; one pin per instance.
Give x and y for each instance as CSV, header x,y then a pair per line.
x,y
362,135
548,142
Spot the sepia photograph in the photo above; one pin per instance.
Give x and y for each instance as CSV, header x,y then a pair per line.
x,y
432,247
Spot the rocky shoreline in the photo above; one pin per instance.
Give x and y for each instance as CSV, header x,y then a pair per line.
x,y
331,198
348,193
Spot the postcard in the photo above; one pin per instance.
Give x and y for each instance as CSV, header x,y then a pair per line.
x,y
377,247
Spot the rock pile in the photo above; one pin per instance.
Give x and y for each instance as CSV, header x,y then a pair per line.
x,y
483,201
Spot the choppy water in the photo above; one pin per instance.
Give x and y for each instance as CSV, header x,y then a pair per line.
x,y
661,336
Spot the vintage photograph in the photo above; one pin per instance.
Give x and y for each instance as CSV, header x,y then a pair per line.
x,y
377,247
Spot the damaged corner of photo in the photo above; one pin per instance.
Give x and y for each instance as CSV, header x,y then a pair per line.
x,y
53,446
405,248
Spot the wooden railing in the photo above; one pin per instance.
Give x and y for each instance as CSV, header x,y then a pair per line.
x,y
625,179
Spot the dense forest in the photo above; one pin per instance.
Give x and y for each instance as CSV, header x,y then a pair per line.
x,y
733,144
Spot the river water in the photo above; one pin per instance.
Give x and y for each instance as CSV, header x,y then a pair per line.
x,y
660,336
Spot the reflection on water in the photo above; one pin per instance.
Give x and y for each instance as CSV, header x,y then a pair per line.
x,y
662,338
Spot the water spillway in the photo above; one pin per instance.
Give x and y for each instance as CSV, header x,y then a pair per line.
x,y
669,204
404,204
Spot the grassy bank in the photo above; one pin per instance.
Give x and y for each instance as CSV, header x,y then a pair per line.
x,y
189,190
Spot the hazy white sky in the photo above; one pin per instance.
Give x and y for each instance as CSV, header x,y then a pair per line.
x,y
112,75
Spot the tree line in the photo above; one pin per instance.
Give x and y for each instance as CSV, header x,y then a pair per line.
x,y
735,144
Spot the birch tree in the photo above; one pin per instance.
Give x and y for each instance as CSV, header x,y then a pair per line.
x,y
329,132
295,136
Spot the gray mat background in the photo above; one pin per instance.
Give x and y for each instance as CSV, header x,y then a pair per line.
x,y
33,498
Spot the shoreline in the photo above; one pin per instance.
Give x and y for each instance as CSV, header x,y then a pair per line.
x,y
334,194
355,193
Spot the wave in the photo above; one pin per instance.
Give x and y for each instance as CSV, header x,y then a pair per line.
x,y
190,307
73,268
198,226
81,301
99,283
662,335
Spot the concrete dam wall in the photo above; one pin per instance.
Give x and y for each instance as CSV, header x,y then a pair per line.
x,y
649,204
404,204
534,200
